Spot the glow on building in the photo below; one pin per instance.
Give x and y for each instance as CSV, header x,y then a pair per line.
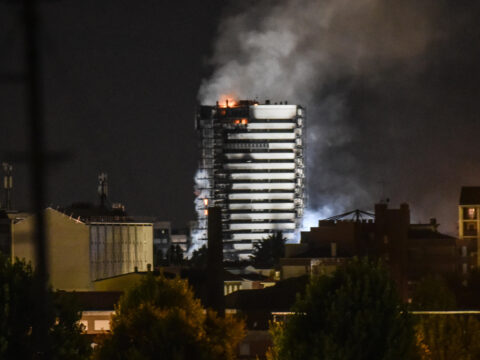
x,y
252,166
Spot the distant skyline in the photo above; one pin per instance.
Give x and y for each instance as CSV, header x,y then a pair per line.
x,y
122,82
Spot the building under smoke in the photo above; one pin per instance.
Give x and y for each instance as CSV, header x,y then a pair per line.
x,y
252,166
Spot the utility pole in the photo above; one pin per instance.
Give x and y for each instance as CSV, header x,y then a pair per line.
x,y
35,113
103,189
7,184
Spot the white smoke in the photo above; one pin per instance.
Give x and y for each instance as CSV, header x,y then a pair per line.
x,y
298,50
290,49
202,191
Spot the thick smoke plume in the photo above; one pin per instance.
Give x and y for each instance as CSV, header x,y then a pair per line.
x,y
370,73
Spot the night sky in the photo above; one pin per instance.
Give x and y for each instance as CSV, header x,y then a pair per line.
x,y
122,80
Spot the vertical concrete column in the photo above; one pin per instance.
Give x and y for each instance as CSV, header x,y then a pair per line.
x,y
215,296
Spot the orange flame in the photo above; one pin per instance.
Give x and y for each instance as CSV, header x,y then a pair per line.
x,y
227,101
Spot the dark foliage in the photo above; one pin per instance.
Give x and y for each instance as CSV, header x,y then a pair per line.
x,y
161,319
354,314
269,251
17,304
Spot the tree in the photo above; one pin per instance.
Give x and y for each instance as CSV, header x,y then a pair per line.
x,y
269,251
67,338
433,293
355,313
174,255
443,336
17,304
199,258
160,318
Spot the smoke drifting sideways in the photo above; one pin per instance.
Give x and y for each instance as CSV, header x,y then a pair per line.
x,y
372,75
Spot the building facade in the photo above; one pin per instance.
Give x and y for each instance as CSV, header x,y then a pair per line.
x,y
252,166
469,225
80,251
410,251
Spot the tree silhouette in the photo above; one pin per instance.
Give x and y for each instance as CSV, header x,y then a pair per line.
x,y
269,251
174,255
355,313
160,318
17,299
443,336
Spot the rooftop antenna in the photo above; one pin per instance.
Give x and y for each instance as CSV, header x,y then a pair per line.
x,y
103,188
7,184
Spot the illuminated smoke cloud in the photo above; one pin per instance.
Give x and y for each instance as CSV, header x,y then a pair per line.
x,y
291,49
201,192
322,54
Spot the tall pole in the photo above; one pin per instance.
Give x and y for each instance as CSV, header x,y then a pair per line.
x,y
35,113
7,185
215,297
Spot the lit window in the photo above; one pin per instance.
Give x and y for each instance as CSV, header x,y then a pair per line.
x,y
471,213
102,325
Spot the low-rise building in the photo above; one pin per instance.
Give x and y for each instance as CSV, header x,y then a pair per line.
x,y
410,251
469,226
81,249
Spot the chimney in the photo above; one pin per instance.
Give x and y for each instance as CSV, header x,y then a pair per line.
x,y
215,298
404,208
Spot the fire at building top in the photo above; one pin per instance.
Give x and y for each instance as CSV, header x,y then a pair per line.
x,y
252,166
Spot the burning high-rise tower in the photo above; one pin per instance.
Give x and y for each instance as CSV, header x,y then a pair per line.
x,y
252,166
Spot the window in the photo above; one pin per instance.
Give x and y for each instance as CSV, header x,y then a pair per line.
x,y
470,228
471,213
101,325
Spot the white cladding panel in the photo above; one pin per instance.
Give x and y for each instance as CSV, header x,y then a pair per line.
x,y
261,136
117,248
261,196
263,216
257,236
261,166
273,111
263,186
263,176
262,206
262,226
247,246
261,156
277,146
256,126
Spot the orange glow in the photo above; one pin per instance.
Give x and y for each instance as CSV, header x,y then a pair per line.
x,y
237,122
205,212
244,121
227,101
205,202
